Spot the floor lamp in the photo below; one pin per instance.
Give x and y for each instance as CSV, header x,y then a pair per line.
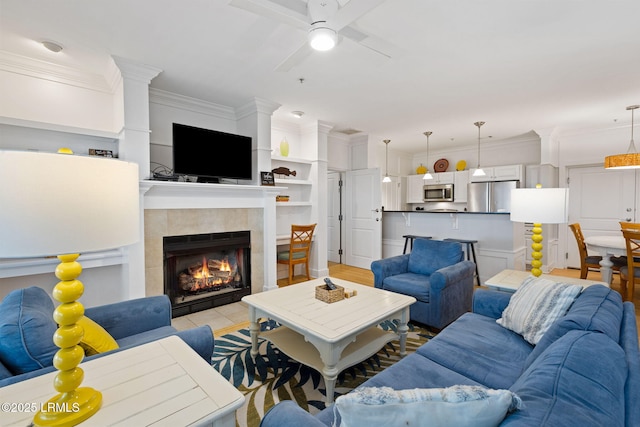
x,y
65,204
539,206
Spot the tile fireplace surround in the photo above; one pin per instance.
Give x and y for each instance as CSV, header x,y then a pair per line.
x,y
184,208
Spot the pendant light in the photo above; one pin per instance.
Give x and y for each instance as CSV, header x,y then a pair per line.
x,y
386,174
427,175
478,171
630,160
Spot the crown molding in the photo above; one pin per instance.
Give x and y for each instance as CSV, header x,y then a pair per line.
x,y
170,99
36,68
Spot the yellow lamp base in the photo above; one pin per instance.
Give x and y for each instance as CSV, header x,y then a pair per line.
x,y
69,409
536,238
73,404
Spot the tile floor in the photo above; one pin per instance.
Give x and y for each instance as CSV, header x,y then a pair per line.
x,y
219,318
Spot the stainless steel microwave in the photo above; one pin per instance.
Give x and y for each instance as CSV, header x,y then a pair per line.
x,y
438,193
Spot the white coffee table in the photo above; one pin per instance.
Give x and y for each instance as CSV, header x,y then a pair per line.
x,y
510,280
328,337
163,383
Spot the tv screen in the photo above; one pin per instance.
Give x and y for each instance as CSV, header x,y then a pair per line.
x,y
210,154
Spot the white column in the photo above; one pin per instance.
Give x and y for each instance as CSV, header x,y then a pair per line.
x,y
254,119
315,139
134,147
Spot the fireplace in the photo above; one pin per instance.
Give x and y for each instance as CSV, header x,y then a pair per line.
x,y
202,271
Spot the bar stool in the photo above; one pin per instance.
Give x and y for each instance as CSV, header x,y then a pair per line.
x,y
410,237
470,246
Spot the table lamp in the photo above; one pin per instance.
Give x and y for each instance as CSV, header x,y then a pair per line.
x,y
64,204
539,206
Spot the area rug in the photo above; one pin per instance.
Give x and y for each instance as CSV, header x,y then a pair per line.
x,y
274,377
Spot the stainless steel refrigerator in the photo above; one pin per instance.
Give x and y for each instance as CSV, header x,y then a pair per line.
x,y
490,196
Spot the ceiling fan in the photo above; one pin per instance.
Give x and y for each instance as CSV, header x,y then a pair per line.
x,y
324,18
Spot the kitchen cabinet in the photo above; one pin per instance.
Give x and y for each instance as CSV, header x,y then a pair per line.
x,y
499,173
441,178
460,181
415,184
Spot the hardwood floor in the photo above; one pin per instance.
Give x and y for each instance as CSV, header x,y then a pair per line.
x,y
365,277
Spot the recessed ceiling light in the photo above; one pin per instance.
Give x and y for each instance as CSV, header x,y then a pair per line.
x,y
52,46
297,114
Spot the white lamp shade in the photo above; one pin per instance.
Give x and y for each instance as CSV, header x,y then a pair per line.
x,y
54,204
540,205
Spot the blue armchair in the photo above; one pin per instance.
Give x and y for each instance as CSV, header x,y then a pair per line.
x,y
27,327
435,274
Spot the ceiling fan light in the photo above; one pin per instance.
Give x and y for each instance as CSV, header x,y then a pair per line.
x,y
322,38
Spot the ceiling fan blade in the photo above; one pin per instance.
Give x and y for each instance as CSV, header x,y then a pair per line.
x,y
291,12
295,58
352,11
374,43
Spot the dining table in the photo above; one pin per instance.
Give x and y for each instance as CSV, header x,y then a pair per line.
x,y
607,246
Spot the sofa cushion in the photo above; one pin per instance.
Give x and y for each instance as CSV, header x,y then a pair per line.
x,y
453,406
428,256
146,337
579,380
95,339
597,309
536,305
476,347
26,330
412,284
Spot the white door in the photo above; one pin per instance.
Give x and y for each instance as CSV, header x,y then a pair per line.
x,y
363,217
334,212
598,199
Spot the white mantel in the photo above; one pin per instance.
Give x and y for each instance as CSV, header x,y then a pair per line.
x,y
189,200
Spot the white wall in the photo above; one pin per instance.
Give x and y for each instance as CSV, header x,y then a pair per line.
x,y
167,108
71,98
524,149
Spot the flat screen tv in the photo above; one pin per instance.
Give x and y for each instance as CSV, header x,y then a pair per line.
x,y
210,154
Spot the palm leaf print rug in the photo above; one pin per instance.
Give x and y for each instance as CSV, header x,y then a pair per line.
x,y
273,376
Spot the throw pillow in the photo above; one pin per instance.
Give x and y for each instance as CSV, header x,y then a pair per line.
x,y
26,330
536,305
95,339
458,406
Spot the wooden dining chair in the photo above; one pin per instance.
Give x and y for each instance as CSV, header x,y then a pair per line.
x,y
586,261
299,249
630,273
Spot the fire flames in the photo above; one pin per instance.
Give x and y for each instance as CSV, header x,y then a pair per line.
x,y
209,275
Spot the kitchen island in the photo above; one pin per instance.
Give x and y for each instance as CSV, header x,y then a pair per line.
x,y
501,243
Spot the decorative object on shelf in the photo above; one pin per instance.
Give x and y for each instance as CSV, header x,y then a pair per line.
x,y
283,171
539,206
386,173
427,175
75,204
478,171
630,160
441,165
461,165
421,170
282,198
97,152
266,178
284,147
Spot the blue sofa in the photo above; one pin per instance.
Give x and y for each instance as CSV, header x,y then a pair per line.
x,y
435,274
27,328
585,371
